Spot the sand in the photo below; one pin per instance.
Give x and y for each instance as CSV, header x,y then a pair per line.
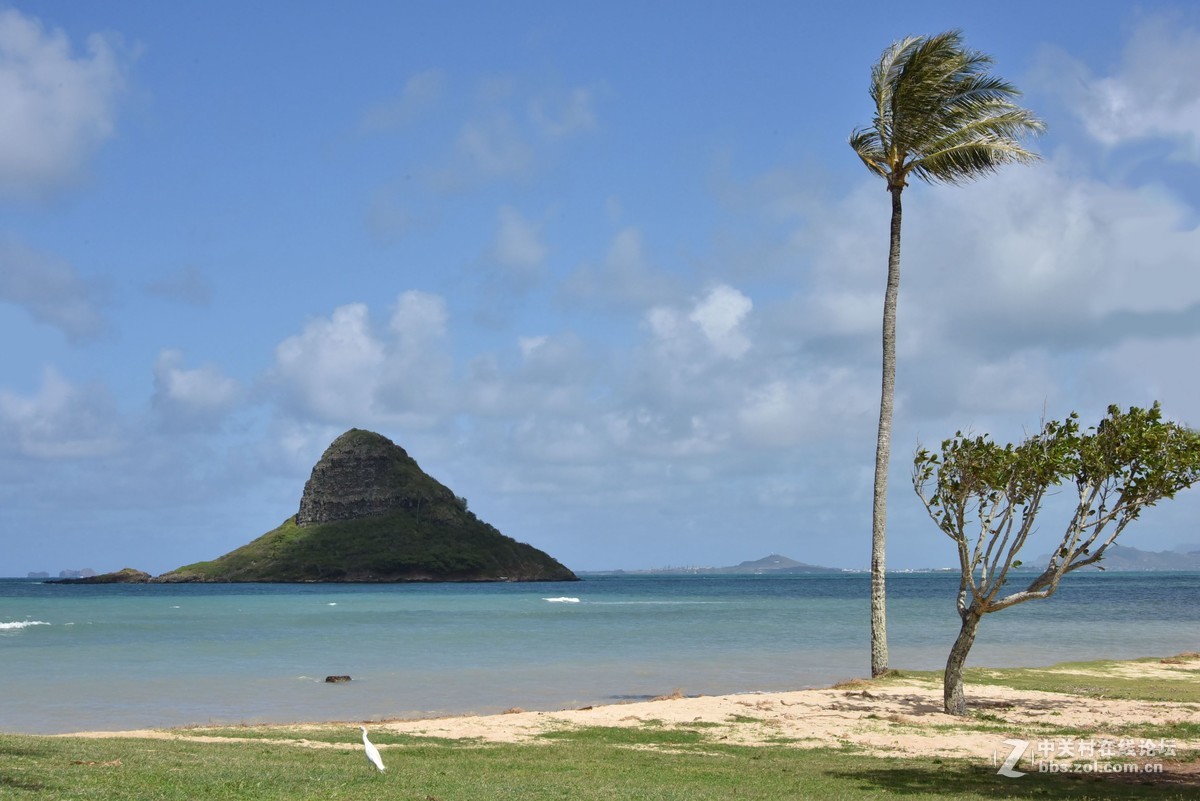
x,y
899,718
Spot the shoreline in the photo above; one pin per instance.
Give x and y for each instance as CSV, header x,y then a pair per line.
x,y
896,716
177,657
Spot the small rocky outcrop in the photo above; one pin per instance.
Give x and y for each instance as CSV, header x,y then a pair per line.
x,y
124,576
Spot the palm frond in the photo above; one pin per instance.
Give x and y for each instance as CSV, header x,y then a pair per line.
x,y
969,161
939,114
867,145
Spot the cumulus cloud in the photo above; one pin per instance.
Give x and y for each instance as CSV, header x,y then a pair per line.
x,y
1153,93
714,323
1036,257
419,317
198,397
808,408
59,106
719,316
60,420
51,290
345,369
331,368
552,374
1039,257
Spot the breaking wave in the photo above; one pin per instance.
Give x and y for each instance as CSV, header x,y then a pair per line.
x,y
17,625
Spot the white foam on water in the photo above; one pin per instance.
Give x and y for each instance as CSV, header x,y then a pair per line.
x,y
21,624
562,600
332,603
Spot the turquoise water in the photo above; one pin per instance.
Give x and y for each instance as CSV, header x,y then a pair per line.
x,y
77,657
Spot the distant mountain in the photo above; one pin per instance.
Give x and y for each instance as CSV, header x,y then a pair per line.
x,y
369,513
1120,557
774,565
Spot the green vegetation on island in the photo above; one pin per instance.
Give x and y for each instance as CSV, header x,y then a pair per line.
x,y
395,547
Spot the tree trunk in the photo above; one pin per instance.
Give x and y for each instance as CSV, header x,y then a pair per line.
x,y
952,683
883,449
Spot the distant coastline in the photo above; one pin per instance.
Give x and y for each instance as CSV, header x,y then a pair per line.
x,y
1117,559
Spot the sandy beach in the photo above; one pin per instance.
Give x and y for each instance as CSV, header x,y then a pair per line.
x,y
899,717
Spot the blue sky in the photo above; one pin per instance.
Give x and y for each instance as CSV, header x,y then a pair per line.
x,y
610,271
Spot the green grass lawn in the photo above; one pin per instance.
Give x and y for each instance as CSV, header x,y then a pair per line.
x,y
649,761
616,764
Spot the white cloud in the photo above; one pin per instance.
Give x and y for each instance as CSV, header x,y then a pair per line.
x,y
332,367
1033,257
58,107
1036,257
196,397
713,324
60,421
531,346
51,290
1154,93
343,370
418,325
803,409
719,315
657,433
419,317
553,375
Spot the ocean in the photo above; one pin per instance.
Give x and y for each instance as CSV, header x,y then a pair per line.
x,y
80,657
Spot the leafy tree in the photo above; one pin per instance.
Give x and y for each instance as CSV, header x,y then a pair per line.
x,y
939,116
985,497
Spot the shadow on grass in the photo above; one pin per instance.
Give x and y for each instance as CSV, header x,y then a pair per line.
x,y
906,780
921,705
10,779
8,782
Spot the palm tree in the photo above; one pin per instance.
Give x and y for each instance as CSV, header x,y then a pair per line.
x,y
939,116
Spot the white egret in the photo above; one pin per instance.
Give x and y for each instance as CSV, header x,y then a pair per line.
x,y
371,751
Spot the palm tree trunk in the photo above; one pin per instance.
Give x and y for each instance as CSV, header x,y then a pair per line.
x,y
952,683
883,449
